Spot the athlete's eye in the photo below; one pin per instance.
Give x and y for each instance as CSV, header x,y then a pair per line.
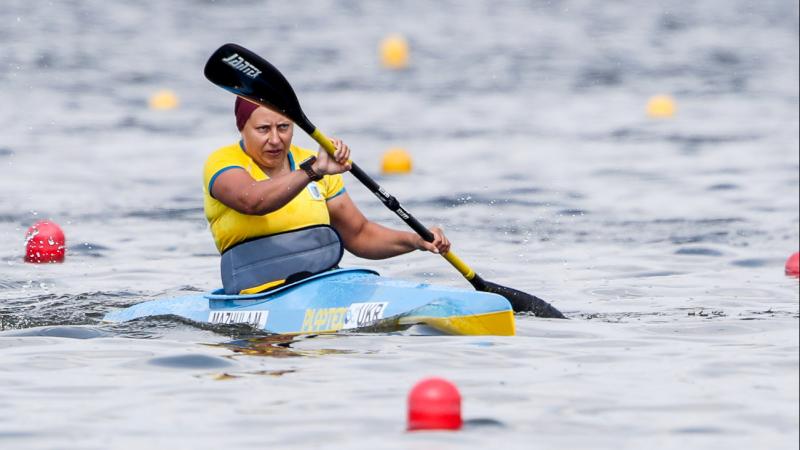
x,y
283,126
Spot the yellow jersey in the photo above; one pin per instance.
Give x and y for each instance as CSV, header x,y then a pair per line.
x,y
230,227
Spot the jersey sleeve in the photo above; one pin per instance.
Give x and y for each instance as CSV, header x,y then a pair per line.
x,y
334,186
217,163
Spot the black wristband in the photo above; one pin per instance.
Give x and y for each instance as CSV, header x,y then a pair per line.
x,y
306,166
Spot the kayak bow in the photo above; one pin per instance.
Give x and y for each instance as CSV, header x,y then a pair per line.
x,y
342,299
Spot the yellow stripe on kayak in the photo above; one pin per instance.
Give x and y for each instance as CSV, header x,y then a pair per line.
x,y
500,323
261,287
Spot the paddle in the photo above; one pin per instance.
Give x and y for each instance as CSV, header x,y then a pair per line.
x,y
247,75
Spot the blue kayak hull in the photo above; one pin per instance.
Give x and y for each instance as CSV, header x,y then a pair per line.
x,y
342,299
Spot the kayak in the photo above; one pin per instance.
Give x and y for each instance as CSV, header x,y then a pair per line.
x,y
341,299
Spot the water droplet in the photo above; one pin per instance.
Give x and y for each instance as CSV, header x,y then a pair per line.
x,y
32,235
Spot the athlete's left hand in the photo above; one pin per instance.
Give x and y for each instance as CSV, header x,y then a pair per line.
x,y
327,165
440,244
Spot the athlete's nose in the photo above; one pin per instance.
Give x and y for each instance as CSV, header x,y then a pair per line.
x,y
272,137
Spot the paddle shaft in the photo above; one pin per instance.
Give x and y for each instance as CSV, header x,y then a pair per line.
x,y
250,76
393,204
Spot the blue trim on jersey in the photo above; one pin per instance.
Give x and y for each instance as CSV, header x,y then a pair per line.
x,y
214,178
341,191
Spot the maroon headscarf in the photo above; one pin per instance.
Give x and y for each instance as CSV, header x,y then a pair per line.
x,y
243,110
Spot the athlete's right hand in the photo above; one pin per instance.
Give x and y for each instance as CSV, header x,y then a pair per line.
x,y
340,162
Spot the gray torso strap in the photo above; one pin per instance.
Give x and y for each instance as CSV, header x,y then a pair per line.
x,y
264,263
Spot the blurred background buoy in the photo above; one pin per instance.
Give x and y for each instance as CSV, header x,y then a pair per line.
x,y
661,107
163,100
44,243
793,265
434,404
394,52
396,161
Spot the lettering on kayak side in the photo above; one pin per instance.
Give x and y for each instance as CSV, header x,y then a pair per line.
x,y
257,319
363,314
323,319
241,64
357,315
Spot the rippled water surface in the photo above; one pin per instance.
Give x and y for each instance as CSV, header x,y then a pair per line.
x,y
662,240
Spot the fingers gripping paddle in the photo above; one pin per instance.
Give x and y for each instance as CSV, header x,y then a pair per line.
x,y
247,75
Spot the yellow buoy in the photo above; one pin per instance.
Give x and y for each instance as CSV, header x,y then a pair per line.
x,y
164,99
661,107
394,52
396,161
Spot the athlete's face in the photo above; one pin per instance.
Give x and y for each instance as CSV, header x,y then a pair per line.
x,y
267,137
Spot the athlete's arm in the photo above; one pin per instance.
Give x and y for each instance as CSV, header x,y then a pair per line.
x,y
239,191
370,240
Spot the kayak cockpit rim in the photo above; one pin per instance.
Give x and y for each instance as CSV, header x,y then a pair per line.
x,y
220,295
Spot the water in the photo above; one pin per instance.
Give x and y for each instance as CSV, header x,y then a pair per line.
x,y
663,241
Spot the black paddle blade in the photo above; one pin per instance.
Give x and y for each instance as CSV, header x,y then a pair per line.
x,y
238,70
520,301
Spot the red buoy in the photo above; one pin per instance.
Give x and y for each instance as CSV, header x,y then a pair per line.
x,y
44,243
434,404
793,265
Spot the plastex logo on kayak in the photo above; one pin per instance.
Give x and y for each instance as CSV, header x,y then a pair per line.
x,y
240,64
323,319
357,315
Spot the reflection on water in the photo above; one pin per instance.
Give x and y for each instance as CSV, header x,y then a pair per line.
x,y
275,346
272,373
190,362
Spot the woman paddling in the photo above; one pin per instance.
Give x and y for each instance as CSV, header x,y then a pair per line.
x,y
279,212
